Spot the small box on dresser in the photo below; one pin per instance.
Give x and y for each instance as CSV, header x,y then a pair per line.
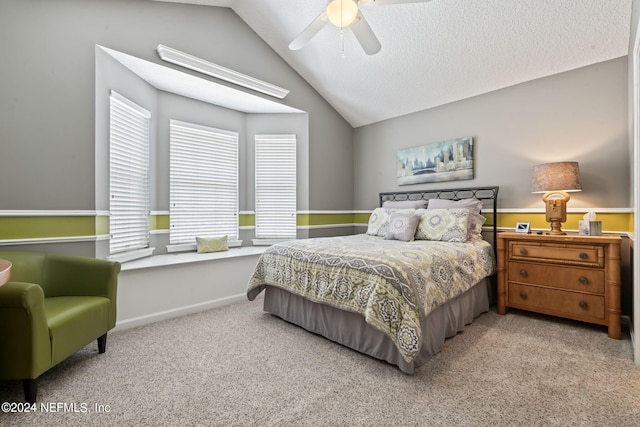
x,y
571,276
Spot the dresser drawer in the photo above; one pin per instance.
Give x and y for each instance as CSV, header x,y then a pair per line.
x,y
579,279
569,254
554,301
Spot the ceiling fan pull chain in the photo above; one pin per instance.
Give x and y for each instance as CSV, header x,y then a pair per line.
x,y
341,30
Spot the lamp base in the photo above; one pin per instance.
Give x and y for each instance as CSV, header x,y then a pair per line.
x,y
556,210
555,228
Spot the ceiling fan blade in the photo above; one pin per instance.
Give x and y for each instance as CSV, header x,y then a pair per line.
x,y
308,33
383,2
365,36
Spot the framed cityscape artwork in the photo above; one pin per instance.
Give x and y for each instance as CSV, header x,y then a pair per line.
x,y
437,162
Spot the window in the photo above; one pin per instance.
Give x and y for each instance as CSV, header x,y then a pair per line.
x,y
129,129
203,199
275,184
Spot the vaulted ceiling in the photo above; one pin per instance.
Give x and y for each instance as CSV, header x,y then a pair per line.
x,y
439,51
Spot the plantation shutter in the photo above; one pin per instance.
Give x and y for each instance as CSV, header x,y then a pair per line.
x,y
275,186
203,182
129,130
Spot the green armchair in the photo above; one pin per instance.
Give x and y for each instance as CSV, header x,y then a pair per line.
x,y
52,306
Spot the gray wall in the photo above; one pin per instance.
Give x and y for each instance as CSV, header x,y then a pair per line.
x,y
47,81
580,115
47,117
635,21
633,117
111,75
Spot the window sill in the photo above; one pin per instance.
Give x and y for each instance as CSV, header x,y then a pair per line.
x,y
269,242
191,257
132,255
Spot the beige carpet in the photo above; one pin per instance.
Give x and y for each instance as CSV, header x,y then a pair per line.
x,y
236,365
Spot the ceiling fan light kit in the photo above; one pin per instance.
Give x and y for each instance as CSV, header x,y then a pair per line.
x,y
343,14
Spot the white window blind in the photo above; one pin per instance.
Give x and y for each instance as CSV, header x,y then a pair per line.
x,y
129,130
203,182
275,186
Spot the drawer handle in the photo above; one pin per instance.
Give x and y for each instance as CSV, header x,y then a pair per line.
x,y
523,295
523,251
583,255
583,280
583,304
523,273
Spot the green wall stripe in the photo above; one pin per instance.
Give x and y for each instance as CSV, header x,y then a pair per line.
x,y
611,222
162,221
361,218
56,226
247,220
102,225
324,219
159,222
28,227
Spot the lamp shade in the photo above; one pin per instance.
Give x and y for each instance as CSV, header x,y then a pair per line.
x,y
561,176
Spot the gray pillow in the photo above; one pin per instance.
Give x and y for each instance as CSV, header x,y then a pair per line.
x,y
402,226
405,204
474,205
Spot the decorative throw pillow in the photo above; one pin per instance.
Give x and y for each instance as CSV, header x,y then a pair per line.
x,y
448,225
402,226
212,244
405,204
379,220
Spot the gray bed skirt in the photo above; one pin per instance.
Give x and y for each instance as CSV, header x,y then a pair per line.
x,y
351,330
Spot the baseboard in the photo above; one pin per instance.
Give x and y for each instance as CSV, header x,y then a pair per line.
x,y
636,357
177,312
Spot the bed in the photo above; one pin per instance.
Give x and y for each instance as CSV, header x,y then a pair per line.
x,y
419,275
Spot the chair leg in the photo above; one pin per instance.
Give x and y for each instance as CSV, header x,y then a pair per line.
x,y
102,343
30,387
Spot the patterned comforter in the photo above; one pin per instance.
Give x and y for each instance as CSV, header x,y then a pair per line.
x,y
393,284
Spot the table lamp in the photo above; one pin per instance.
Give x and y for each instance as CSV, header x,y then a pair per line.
x,y
556,180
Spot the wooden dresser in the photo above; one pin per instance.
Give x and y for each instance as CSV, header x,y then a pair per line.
x,y
571,276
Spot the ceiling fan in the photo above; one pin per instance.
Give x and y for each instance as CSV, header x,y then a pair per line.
x,y
343,14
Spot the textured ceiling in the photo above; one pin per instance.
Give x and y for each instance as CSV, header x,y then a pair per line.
x,y
440,51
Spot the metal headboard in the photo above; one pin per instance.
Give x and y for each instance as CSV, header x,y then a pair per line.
x,y
487,195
